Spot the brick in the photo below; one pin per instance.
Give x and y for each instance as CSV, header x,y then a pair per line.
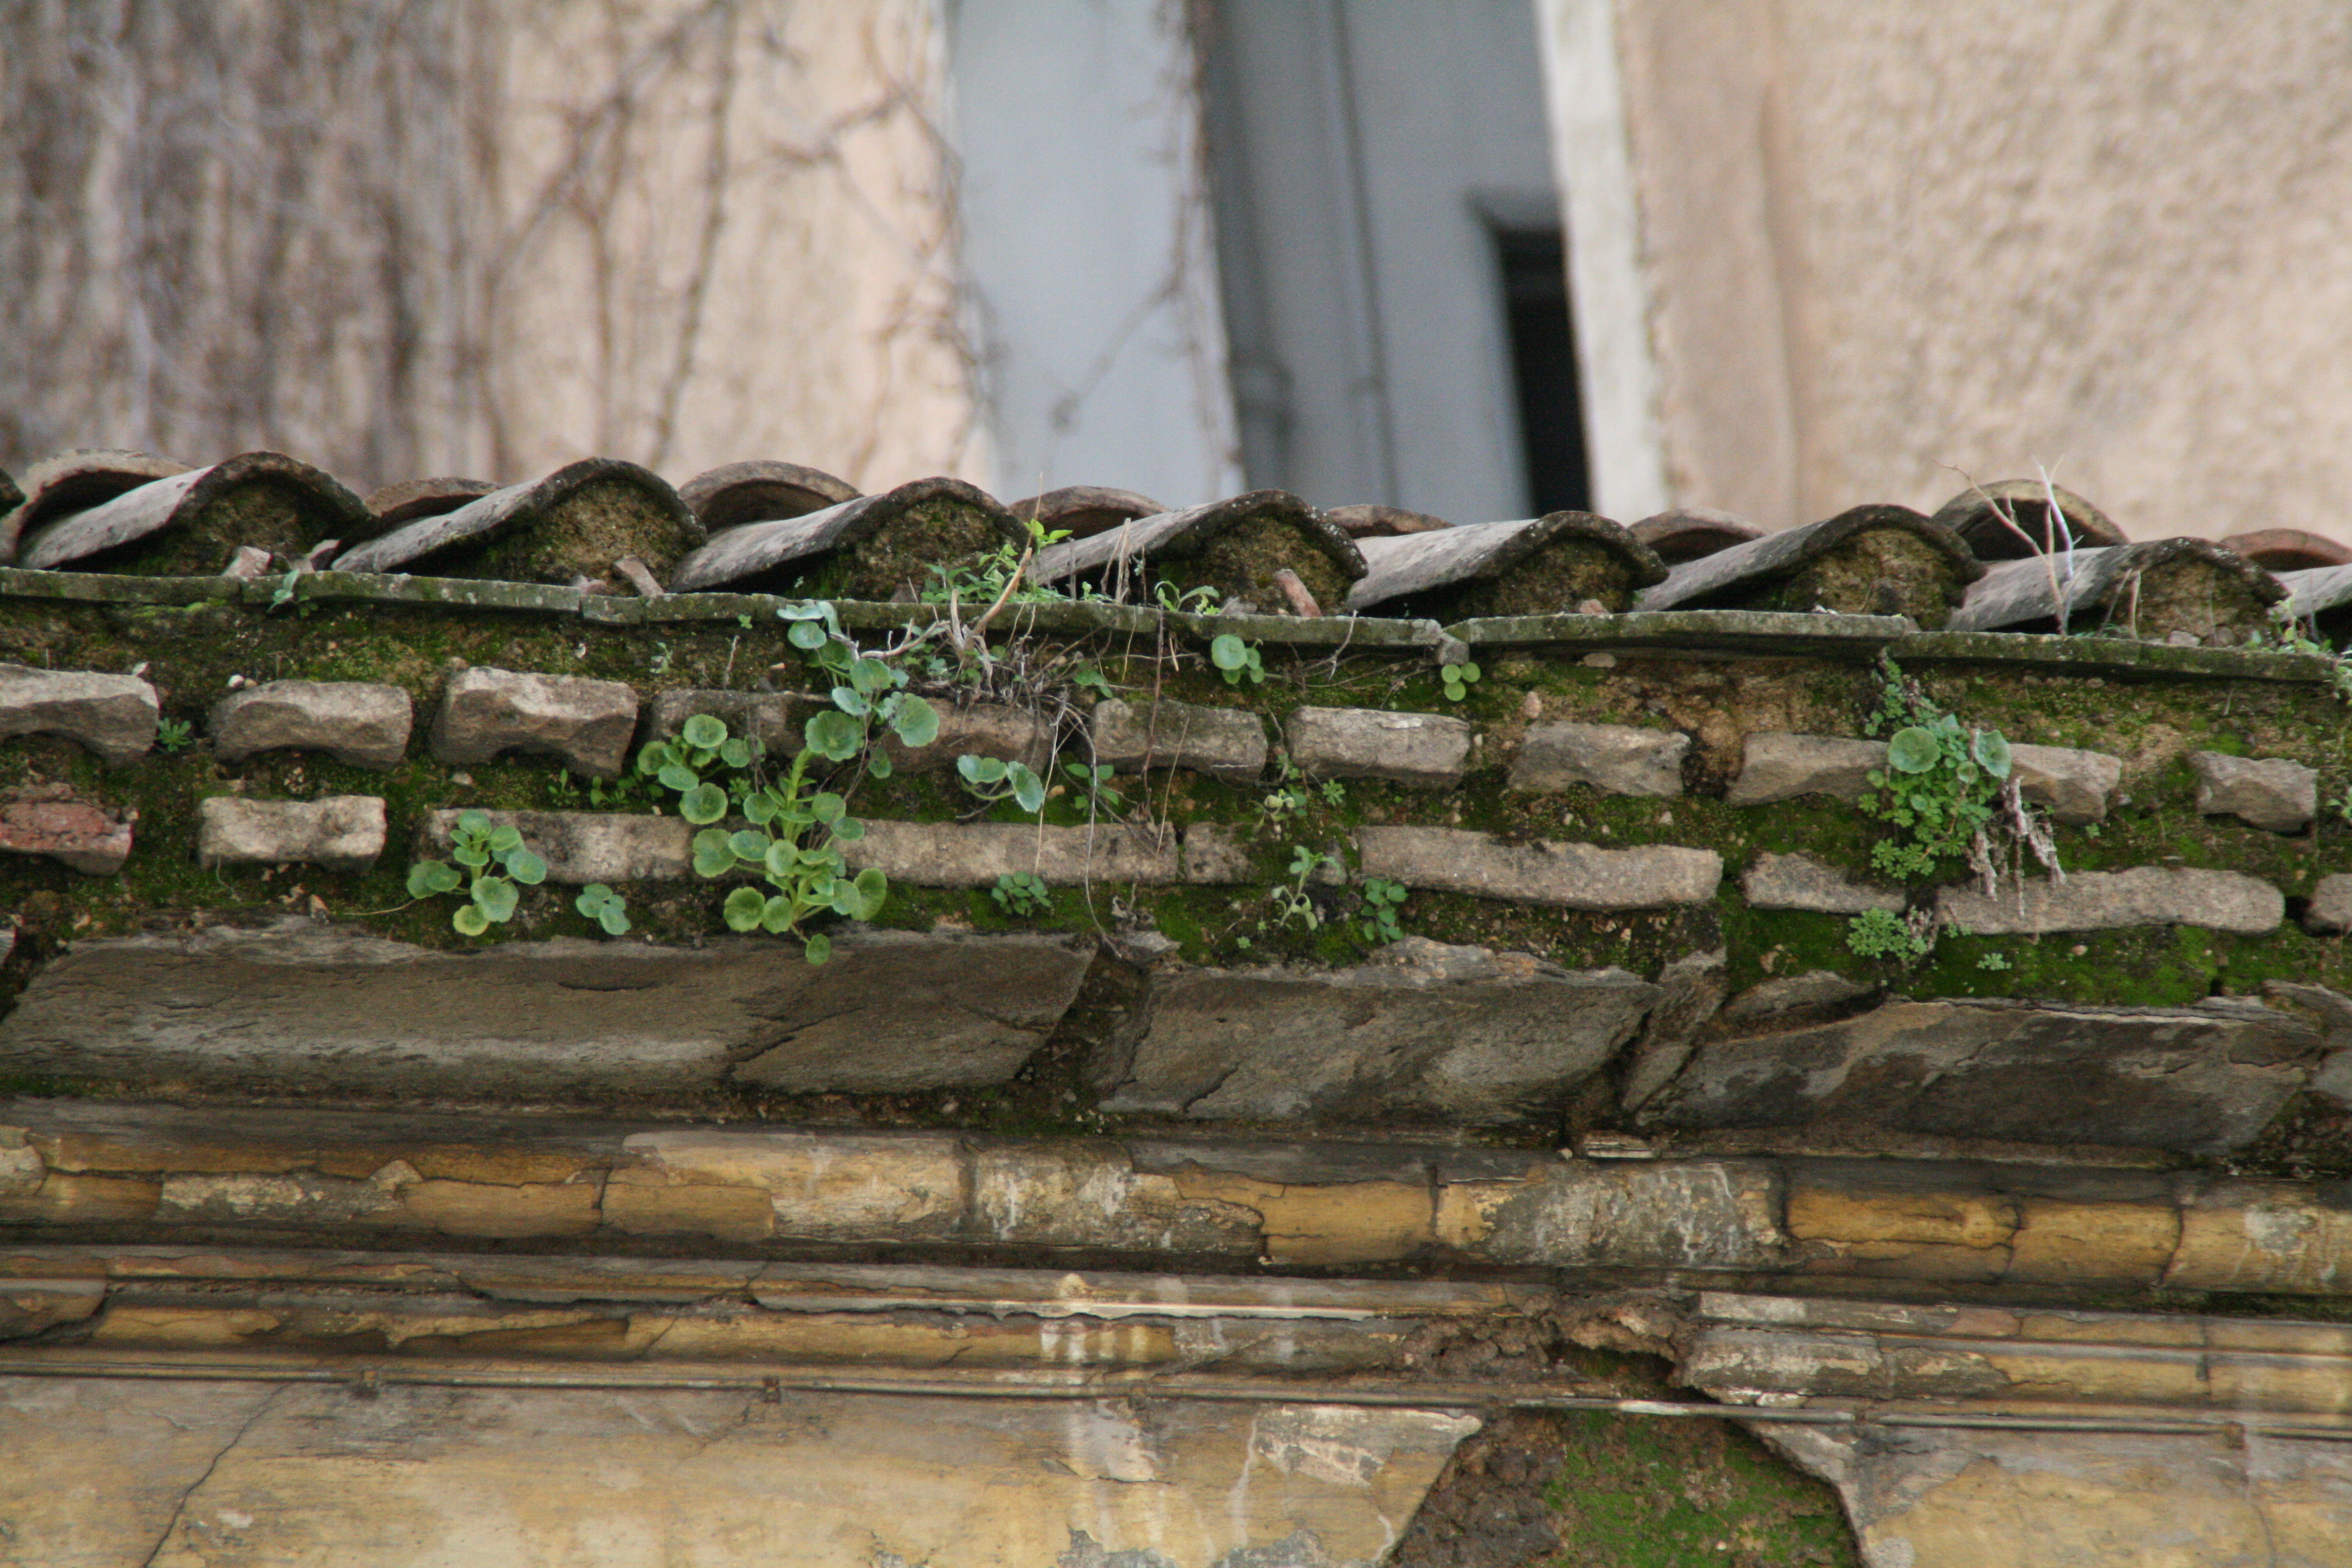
x,y
2071,786
359,723
582,847
339,832
487,714
1425,750
1565,876
974,854
52,820
1616,759
987,730
1227,742
1782,766
1801,882
2271,792
113,715
2110,901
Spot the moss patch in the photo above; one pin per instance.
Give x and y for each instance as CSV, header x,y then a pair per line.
x,y
1872,572
267,513
582,535
1551,582
1240,564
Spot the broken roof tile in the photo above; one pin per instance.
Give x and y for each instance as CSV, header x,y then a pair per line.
x,y
1084,510
2288,549
1540,566
1366,520
1239,547
405,503
762,490
1867,560
2155,589
1981,516
575,524
874,547
1686,533
193,523
76,481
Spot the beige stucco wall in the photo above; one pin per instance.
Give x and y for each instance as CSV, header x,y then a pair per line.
x,y
486,239
1892,245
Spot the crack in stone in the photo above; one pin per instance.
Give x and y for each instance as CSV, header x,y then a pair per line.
x,y
180,1507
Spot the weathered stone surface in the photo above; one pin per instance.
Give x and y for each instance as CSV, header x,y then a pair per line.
x,y
2272,793
311,1008
829,1187
771,718
1225,742
1616,759
2071,785
1707,1214
1689,991
113,715
2107,900
489,713
2331,905
353,722
1501,1039
2264,1235
1426,750
974,854
985,730
1801,882
1777,766
1217,854
1798,997
1567,875
2200,1079
180,1472
52,820
1091,1194
581,847
339,832
21,1166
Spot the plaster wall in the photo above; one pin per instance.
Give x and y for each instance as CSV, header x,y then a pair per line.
x,y
1890,248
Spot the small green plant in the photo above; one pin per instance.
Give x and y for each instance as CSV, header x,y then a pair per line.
x,y
993,779
1941,786
983,580
1334,792
1292,906
1237,660
1095,782
1994,960
174,735
1088,678
1378,922
1457,680
605,906
492,866
1198,601
1022,894
1880,933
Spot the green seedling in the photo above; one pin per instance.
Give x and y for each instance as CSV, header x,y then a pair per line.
x,y
1457,680
1237,660
1095,782
1378,922
1022,893
605,906
174,735
492,866
993,779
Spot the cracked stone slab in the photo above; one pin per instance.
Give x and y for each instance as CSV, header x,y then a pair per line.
x,y
975,854
1428,750
1778,765
1225,742
2111,900
487,714
113,715
2201,1079
1801,882
1564,876
1690,992
582,847
52,820
311,1008
1507,1038
1616,759
2276,794
339,832
356,721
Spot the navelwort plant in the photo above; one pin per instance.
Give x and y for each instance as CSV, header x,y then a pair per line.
x,y
792,833
1238,661
492,866
1022,893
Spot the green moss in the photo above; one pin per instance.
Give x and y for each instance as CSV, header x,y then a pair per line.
x,y
1872,572
1551,582
1676,1494
581,537
1240,564
267,513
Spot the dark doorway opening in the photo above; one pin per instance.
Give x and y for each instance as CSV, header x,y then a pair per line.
x,y
1543,367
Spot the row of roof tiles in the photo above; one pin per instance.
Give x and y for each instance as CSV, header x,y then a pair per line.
x,y
2008,555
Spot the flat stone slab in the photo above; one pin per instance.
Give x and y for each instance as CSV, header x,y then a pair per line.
x,y
1801,882
2331,905
2201,1079
975,854
1565,876
52,820
1226,742
339,832
1496,1041
305,1007
582,847
1778,765
487,714
2273,793
2111,900
1616,759
113,715
771,718
985,730
2071,785
1428,750
355,722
